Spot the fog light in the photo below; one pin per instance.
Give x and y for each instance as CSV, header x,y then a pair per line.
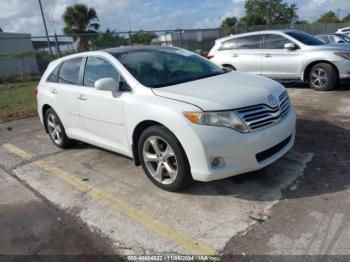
x,y
217,162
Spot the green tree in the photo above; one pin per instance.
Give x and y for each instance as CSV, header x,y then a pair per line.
x,y
227,24
269,12
107,39
346,19
301,22
142,37
80,19
328,18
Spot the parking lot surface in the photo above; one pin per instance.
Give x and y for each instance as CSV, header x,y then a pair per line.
x,y
298,205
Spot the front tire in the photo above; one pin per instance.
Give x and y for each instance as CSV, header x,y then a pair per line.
x,y
163,159
56,130
323,77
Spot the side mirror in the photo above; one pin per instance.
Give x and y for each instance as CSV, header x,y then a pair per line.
x,y
341,42
290,46
107,84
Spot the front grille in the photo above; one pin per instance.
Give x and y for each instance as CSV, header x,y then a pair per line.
x,y
273,150
261,116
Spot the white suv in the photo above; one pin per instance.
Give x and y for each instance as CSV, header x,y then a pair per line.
x,y
286,55
179,115
345,31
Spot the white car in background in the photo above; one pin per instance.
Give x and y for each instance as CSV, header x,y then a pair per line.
x,y
285,55
344,31
179,115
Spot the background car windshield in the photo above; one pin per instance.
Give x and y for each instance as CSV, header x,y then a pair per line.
x,y
165,67
306,38
344,37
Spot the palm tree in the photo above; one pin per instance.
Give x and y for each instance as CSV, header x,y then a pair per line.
x,y
80,20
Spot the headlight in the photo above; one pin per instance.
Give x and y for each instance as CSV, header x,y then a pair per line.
x,y
224,118
343,55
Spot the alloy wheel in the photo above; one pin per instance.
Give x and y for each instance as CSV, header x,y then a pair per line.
x,y
160,160
319,78
54,128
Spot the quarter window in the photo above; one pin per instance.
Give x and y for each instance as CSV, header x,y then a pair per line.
x,y
54,75
275,42
69,72
97,68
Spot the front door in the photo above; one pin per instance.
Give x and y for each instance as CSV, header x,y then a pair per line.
x,y
278,62
102,111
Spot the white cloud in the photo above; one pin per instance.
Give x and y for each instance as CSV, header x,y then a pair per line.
x,y
313,9
235,9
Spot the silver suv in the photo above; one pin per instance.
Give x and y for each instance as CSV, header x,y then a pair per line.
x,y
285,55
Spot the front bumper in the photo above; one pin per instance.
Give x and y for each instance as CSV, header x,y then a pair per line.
x,y
202,143
343,67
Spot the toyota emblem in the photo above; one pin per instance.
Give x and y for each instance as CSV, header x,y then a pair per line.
x,y
272,100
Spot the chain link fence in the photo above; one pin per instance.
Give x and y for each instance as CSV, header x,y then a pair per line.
x,y
314,29
23,55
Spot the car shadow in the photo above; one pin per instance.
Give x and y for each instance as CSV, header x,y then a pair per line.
x,y
319,164
341,87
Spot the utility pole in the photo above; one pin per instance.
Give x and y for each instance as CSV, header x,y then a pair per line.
x,y
129,30
47,34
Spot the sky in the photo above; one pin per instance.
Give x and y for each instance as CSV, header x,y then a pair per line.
x,y
24,16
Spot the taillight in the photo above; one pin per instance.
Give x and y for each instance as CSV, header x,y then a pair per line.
x,y
36,90
210,57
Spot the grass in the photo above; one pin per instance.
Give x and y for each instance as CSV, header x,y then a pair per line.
x,y
17,100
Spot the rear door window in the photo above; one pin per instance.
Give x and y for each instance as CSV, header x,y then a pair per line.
x,y
70,72
249,42
229,45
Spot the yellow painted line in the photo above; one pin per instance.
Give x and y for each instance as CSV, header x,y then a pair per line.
x,y
136,214
17,151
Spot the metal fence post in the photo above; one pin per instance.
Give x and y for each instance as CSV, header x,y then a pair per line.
x,y
129,38
58,51
181,38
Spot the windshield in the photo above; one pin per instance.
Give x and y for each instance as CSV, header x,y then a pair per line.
x,y
344,37
305,38
166,66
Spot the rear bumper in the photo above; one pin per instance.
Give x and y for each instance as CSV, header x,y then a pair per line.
x,y
241,152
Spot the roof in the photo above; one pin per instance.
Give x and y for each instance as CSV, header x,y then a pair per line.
x,y
258,33
13,35
125,49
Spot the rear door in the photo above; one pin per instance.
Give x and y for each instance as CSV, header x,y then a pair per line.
x,y
65,92
246,54
278,62
102,111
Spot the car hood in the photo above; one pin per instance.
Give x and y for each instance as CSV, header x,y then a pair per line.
x,y
223,92
331,47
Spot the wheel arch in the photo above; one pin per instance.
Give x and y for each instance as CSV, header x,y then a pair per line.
x,y
139,128
229,66
310,65
45,107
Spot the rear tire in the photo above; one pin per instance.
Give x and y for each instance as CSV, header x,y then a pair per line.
x,y
56,130
323,77
163,159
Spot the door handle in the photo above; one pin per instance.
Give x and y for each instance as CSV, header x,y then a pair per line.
x,y
268,55
82,98
235,55
53,91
